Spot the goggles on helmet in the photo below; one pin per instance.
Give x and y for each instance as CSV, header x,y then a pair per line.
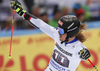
x,y
61,31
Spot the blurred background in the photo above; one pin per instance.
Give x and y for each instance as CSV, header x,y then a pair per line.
x,y
31,48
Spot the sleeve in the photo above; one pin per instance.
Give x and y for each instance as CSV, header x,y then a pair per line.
x,y
79,47
38,23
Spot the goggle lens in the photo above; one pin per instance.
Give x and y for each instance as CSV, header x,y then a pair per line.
x,y
60,30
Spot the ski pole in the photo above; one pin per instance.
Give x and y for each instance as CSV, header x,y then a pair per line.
x,y
93,65
11,34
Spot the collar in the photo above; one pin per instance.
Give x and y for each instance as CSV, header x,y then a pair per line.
x,y
71,41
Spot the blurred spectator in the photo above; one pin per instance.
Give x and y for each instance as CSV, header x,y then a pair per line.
x,y
80,13
35,10
0,1
57,15
8,24
64,11
2,24
21,25
98,17
44,17
4,9
76,7
29,4
87,10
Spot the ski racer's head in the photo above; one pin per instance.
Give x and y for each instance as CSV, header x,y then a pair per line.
x,y
68,27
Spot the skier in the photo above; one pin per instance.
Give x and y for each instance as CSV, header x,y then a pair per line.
x,y
69,49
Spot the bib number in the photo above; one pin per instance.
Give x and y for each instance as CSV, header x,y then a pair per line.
x,y
60,59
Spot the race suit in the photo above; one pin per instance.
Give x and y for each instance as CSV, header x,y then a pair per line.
x,y
65,56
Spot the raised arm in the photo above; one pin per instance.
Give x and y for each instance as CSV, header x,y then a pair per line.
x,y
34,21
38,23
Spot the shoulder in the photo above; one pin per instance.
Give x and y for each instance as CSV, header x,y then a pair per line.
x,y
80,46
54,29
55,33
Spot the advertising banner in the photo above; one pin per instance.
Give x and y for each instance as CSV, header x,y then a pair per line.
x,y
33,52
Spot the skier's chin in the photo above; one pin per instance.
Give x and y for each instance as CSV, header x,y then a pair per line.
x,y
61,39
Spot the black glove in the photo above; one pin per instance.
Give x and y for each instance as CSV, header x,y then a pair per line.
x,y
15,5
84,54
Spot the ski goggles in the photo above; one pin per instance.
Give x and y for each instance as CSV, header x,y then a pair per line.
x,y
61,31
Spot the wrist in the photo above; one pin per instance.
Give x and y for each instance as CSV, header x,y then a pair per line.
x,y
21,12
27,16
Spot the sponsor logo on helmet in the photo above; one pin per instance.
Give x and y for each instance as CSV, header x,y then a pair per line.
x,y
71,25
61,23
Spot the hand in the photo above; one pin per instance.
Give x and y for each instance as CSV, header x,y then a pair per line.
x,y
15,5
84,54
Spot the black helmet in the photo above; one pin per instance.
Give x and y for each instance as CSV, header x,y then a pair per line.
x,y
70,24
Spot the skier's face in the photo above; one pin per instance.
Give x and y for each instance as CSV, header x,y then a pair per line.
x,y
62,37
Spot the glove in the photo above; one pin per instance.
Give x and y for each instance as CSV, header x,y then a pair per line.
x,y
84,54
15,5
